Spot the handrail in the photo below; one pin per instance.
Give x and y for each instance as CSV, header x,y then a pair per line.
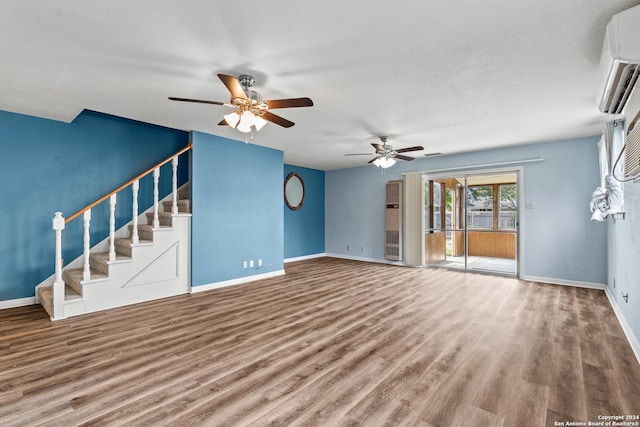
x,y
128,183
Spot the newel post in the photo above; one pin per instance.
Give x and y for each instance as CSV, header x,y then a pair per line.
x,y
58,283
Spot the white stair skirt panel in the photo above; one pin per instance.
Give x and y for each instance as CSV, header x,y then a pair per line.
x,y
157,270
165,268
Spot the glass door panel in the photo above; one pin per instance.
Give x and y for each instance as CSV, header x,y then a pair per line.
x,y
492,208
471,222
445,244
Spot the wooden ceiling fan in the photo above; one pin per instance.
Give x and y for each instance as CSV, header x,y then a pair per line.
x,y
251,111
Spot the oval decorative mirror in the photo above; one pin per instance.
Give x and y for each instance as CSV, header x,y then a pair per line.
x,y
294,191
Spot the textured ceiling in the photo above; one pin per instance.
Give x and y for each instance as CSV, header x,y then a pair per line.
x,y
451,76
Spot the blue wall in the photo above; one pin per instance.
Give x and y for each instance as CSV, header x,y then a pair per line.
x,y
237,209
304,228
560,241
50,166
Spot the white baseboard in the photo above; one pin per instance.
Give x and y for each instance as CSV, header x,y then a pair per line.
x,y
633,341
19,302
563,282
304,257
225,283
365,259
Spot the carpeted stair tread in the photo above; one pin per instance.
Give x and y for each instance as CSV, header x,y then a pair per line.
x,y
103,257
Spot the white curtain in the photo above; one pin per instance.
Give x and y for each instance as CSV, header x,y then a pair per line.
x,y
413,222
608,198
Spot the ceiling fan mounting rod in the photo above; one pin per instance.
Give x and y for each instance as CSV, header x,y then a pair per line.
x,y
246,80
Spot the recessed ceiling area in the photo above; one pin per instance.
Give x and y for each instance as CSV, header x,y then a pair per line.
x,y
449,76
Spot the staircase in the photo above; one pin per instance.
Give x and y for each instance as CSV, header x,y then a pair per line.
x,y
151,262
155,267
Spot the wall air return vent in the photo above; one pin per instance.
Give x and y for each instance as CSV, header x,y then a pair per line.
x,y
393,221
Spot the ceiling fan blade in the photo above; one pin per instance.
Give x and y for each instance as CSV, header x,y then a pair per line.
x,y
289,103
233,85
406,150
358,154
223,122
201,101
378,147
401,157
277,119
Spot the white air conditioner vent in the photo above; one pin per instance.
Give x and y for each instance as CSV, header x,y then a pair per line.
x,y
625,77
620,61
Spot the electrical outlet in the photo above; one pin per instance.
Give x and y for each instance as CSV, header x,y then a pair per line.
x,y
251,263
260,263
625,297
348,248
361,248
244,264
528,205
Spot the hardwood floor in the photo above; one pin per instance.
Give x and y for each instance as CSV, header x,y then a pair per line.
x,y
332,343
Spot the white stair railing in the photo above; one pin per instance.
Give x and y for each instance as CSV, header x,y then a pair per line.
x,y
156,178
86,269
59,222
174,185
112,227
134,231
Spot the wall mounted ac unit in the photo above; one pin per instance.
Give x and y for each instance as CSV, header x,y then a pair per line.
x,y
620,61
393,221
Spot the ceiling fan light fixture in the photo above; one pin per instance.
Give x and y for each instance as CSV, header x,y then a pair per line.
x,y
259,122
246,121
384,162
388,162
232,119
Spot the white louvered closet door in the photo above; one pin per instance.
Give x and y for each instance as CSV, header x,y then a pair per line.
x,y
413,215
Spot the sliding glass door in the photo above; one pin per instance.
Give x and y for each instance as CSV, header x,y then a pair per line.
x,y
471,222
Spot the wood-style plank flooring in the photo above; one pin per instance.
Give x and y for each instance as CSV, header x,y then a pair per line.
x,y
332,343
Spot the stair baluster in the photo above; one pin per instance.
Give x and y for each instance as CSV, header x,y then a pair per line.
x,y
58,284
86,271
112,227
174,185
156,178
134,232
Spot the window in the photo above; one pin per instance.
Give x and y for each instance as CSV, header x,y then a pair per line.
x,y
480,206
437,205
427,205
508,206
433,205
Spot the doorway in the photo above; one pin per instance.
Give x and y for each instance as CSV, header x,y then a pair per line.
x,y
472,221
